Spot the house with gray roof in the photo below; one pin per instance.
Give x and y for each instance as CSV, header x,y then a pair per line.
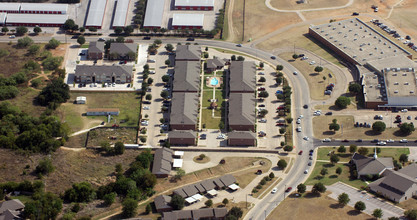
x,y
397,186
184,111
11,209
228,179
190,190
208,185
214,64
122,51
180,192
103,74
241,138
241,112
162,203
242,77
95,50
206,213
186,76
162,162
371,165
187,138
188,53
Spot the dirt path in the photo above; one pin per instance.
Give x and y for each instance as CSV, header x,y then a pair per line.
x,y
392,8
72,149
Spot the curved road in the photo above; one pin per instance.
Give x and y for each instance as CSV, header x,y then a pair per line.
x,y
268,4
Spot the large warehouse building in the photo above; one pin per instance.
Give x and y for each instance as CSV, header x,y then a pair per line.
x,y
96,13
387,73
10,7
187,21
40,8
199,5
43,20
120,15
154,14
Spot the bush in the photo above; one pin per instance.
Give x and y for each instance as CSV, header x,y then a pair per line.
x,y
130,207
209,203
342,102
271,175
45,167
109,198
288,148
341,149
24,42
177,202
52,44
8,92
52,63
119,148
263,182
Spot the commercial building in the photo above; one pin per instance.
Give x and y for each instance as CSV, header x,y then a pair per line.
x,y
187,138
102,111
103,74
371,166
120,14
241,138
10,7
96,12
123,51
43,8
186,76
162,162
199,5
95,50
184,111
188,53
154,14
187,21
241,114
42,20
242,77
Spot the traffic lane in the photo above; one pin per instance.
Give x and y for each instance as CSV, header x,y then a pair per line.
x,y
319,143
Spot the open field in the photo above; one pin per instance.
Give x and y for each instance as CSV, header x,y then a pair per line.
x,y
403,17
111,135
321,130
408,204
292,5
332,177
246,176
323,153
127,102
236,31
312,207
315,80
16,59
232,164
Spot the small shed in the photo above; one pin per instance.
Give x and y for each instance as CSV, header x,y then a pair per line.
x,y
102,111
81,100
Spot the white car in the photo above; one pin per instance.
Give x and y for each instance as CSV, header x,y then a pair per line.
x,y
306,138
298,129
312,62
403,141
301,116
404,110
12,36
261,73
298,121
382,143
327,140
390,141
145,107
152,71
274,190
305,171
295,73
304,58
262,121
221,136
144,123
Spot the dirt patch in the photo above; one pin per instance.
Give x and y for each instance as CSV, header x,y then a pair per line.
x,y
12,63
292,5
203,160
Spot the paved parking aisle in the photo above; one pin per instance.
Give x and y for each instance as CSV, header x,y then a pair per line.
x,y
370,201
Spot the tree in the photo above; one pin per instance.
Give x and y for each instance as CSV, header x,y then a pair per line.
x,y
261,65
341,149
334,126
263,112
377,213
407,128
45,167
52,44
80,192
288,148
21,30
355,88
411,214
236,212
363,151
130,207
324,171
318,188
118,30
339,170
280,67
82,29
342,102
318,69
282,164
271,175
403,158
92,29
179,174
4,30
225,201
262,79
360,206
109,198
33,49
120,39
343,199
157,42
295,56
69,25
148,97
164,94
43,206
52,63
177,202
209,203
278,80
119,148
334,158
378,126
167,62
128,30
240,58
37,30
301,188
169,47
24,42
263,94
81,40
150,81
353,148
233,57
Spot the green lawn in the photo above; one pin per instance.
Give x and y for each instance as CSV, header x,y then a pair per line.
x,y
208,120
332,177
85,45
23,199
323,152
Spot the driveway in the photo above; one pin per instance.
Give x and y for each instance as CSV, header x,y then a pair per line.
x,y
413,154
370,201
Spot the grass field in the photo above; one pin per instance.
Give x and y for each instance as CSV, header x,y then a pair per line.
x,y
245,177
292,5
395,153
127,136
315,80
332,177
128,103
408,204
313,207
207,118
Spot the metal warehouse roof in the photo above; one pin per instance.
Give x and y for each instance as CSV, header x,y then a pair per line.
x,y
96,13
3,18
194,3
10,6
36,18
44,7
154,13
188,20
121,13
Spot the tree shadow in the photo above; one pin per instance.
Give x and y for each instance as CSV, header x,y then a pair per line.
x,y
333,176
353,212
328,132
313,74
335,206
398,133
328,165
319,177
372,133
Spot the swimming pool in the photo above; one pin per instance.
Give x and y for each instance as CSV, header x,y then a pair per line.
x,y
214,81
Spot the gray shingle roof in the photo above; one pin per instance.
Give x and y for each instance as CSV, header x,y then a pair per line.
x,y
228,179
370,165
182,134
208,185
241,135
13,205
199,187
242,109
186,76
188,52
190,190
394,184
206,213
87,70
214,63
220,212
218,182
410,170
242,76
96,47
122,48
202,213
162,202
184,108
162,161
180,192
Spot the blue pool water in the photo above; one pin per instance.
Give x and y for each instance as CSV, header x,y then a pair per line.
x,y
214,82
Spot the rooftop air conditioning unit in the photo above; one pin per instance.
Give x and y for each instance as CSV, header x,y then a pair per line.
x,y
395,50
382,52
396,91
354,56
406,83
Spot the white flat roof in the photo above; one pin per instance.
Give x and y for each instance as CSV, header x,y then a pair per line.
x,y
44,7
154,13
10,6
3,17
190,200
212,192
179,153
36,18
194,3
197,197
234,187
121,13
96,12
177,163
188,20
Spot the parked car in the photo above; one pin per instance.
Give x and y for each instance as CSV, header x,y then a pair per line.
x,y
262,120
355,13
273,57
305,171
306,138
274,190
390,141
382,143
190,39
12,36
403,141
238,45
288,189
300,153
203,136
329,113
327,140
295,73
